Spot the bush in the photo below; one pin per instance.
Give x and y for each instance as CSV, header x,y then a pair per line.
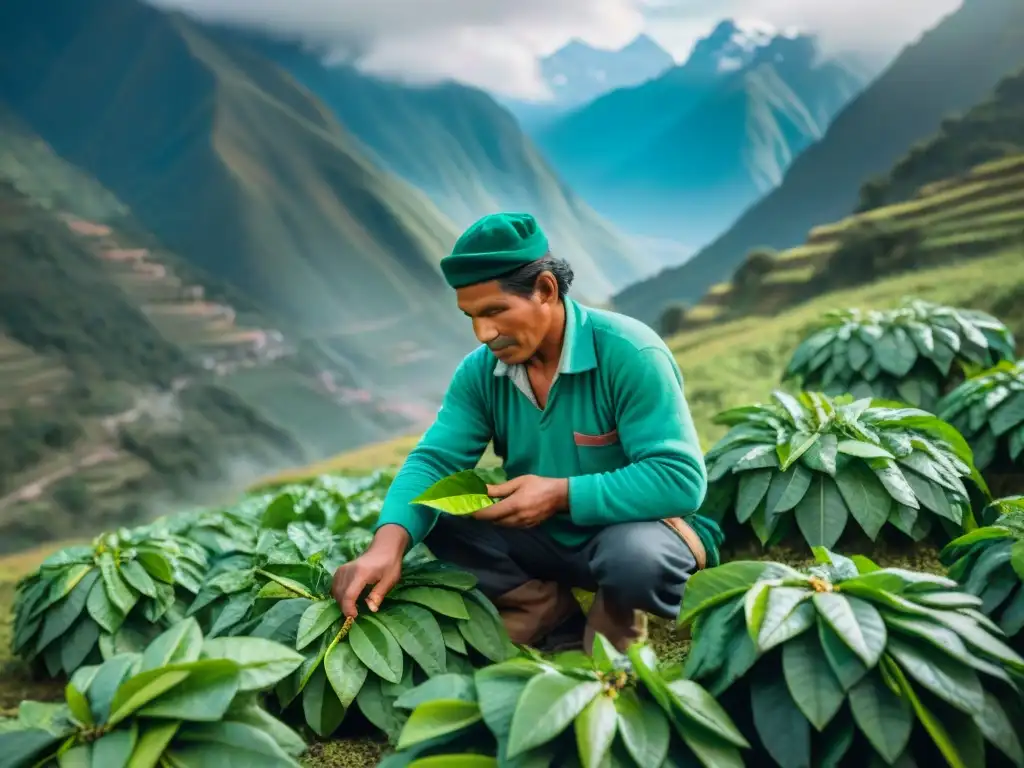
x,y
183,701
85,603
989,563
847,664
673,319
755,266
869,250
570,710
819,462
988,409
904,354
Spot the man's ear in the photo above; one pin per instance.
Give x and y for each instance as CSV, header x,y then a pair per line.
x,y
546,287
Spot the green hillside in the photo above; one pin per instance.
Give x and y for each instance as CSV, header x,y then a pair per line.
x,y
988,132
471,158
232,164
100,411
952,220
867,137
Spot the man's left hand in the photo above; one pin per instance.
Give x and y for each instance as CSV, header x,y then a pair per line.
x,y
526,502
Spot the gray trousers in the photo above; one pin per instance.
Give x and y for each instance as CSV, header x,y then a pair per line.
x,y
643,566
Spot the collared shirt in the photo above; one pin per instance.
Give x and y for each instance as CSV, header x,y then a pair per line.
x,y
616,423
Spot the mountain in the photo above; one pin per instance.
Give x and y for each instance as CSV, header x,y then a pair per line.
x,y
593,138
578,73
469,156
935,78
234,165
129,373
742,107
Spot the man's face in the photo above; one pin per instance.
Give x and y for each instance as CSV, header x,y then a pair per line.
x,y
512,326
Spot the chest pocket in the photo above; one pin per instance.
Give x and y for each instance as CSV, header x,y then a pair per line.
x,y
599,453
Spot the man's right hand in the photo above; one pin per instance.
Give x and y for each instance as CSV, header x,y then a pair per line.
x,y
380,566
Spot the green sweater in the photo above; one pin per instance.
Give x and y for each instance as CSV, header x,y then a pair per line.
x,y
616,424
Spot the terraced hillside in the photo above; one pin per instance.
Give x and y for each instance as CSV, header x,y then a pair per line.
x,y
129,378
947,220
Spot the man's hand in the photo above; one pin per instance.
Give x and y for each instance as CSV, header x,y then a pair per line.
x,y
526,502
379,566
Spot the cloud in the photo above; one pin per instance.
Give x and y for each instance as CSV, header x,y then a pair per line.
x,y
492,44
876,28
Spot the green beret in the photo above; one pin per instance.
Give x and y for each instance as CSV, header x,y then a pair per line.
x,y
493,246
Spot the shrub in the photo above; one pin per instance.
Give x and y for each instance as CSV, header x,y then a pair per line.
x,y
89,602
432,622
673,319
988,409
904,354
611,709
819,462
989,563
183,701
853,665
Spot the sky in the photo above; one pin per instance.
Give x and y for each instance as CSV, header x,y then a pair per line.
x,y
495,44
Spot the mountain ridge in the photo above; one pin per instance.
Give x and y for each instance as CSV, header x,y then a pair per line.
x,y
823,183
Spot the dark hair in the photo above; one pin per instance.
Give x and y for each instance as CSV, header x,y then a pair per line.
x,y
523,280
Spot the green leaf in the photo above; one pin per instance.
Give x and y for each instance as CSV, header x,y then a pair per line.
x,y
1017,558
24,747
787,489
462,493
152,741
595,731
345,672
812,685
698,705
883,717
549,702
115,748
120,594
437,718
316,619
323,710
485,631
995,725
204,696
845,664
376,647
863,450
141,690
61,616
931,723
782,728
78,705
419,634
263,662
752,488
181,643
446,686
643,728
822,513
137,577
455,761
443,601
710,587
944,676
865,497
786,615
856,621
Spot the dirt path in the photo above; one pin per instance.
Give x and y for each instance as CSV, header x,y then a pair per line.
x,y
37,487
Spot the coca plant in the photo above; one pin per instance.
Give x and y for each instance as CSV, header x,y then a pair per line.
x,y
432,622
569,710
989,563
988,409
87,603
817,463
847,664
905,354
183,701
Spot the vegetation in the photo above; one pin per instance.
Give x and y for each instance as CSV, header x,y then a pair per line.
x,y
825,461
569,710
905,354
988,409
850,664
673,319
182,700
989,563
990,131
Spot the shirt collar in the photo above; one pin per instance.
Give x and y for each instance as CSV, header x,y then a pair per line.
x,y
578,353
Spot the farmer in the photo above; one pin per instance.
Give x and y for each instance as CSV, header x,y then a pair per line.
x,y
586,409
